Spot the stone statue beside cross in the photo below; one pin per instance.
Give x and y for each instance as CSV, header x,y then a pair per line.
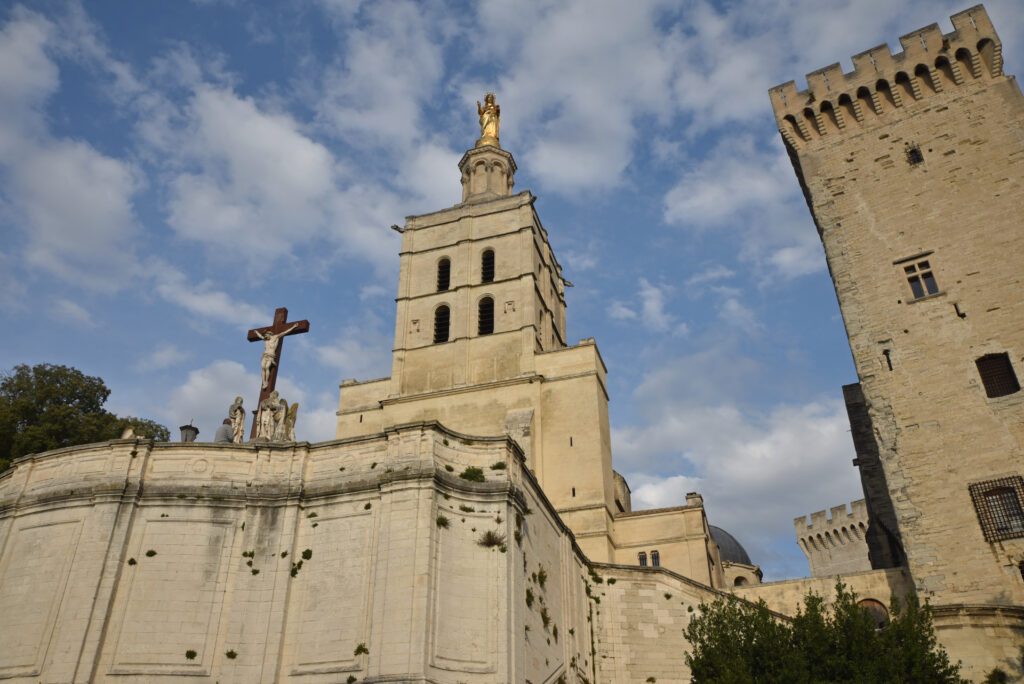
x,y
274,419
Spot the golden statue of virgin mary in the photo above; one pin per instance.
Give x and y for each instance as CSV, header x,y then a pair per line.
x,y
490,120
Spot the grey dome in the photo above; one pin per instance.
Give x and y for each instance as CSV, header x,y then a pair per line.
x,y
730,549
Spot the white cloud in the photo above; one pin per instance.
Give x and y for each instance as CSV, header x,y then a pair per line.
x,y
756,468
743,188
361,354
710,274
261,184
72,203
202,299
27,74
734,179
163,356
651,309
70,312
393,62
568,65
620,311
736,314
207,393
78,207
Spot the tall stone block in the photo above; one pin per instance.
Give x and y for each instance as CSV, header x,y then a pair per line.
x,y
912,167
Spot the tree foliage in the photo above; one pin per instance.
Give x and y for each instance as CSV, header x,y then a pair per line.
x,y
48,406
736,642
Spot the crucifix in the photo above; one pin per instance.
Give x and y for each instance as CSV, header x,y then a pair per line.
x,y
271,336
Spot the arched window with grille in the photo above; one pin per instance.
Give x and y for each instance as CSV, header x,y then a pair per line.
x,y
444,274
442,322
487,266
642,557
655,559
485,316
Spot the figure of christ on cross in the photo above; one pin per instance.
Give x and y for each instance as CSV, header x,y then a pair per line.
x,y
271,336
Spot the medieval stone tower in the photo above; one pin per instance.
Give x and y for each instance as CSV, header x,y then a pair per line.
x,y
913,167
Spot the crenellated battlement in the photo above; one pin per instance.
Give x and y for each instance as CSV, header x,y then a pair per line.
x,y
834,541
882,83
832,519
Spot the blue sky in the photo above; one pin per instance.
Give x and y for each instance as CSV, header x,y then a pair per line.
x,y
172,172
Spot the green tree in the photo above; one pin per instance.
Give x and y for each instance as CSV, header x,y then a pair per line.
x,y
48,406
737,642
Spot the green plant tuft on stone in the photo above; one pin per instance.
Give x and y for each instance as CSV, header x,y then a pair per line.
x,y
500,465
490,539
442,521
150,553
361,650
307,554
472,474
190,654
368,506
449,469
132,561
466,509
231,654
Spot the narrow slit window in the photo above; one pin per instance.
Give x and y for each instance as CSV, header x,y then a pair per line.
x,y
655,559
444,274
997,375
642,557
487,266
485,316
442,322
998,505
921,279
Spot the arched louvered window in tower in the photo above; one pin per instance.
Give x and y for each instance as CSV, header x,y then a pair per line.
x,y
485,317
444,274
642,557
655,559
442,321
487,266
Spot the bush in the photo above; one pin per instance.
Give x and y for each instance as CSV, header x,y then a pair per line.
x,y
737,641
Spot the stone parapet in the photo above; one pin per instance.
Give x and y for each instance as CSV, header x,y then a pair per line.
x,y
881,82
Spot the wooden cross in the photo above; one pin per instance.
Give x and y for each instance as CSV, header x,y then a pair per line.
x,y
271,358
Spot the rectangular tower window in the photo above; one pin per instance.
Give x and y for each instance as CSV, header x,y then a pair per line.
x,y
997,375
922,282
998,504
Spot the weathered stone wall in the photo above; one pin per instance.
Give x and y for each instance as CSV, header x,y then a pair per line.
x,y
914,160
639,615
786,596
134,561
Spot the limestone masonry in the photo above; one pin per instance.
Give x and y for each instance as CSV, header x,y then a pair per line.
x,y
912,168
467,524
